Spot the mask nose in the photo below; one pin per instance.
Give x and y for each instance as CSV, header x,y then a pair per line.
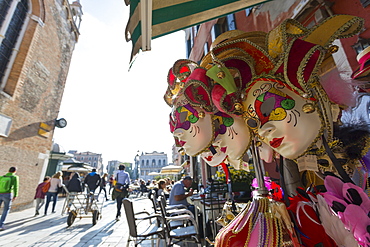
x,y
178,133
266,130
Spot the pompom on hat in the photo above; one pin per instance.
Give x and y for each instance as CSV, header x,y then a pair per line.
x,y
363,71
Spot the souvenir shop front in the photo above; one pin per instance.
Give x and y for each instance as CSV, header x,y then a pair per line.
x,y
264,121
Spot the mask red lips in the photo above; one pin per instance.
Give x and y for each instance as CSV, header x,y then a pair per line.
x,y
276,142
182,143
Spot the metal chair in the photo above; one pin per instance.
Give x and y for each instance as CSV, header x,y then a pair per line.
x,y
184,233
140,232
171,209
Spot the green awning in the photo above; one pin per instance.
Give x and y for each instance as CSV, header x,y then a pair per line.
x,y
168,16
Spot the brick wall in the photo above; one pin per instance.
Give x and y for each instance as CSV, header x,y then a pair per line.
x,y
34,93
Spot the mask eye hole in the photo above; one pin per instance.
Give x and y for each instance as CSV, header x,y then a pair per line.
x,y
268,106
253,123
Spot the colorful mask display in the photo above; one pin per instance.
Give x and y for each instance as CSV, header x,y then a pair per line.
x,y
284,103
268,86
197,124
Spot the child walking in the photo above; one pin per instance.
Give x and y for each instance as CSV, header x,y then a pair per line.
x,y
40,195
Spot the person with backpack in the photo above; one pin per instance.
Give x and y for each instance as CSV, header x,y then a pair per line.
x,y
75,184
40,194
9,185
92,180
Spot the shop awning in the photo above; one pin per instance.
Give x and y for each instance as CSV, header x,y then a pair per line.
x,y
154,174
150,19
171,169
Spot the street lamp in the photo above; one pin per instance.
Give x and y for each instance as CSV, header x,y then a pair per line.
x,y
137,165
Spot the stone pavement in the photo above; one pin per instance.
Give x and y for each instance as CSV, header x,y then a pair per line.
x,y
23,229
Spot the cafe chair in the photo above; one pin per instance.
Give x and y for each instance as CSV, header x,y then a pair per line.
x,y
179,209
185,233
142,225
170,210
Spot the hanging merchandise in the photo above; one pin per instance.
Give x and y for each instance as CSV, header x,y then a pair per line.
x,y
295,111
263,222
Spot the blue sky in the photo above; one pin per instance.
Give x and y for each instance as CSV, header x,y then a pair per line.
x,y
109,109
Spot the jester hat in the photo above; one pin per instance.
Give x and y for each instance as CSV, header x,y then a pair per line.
x,y
291,56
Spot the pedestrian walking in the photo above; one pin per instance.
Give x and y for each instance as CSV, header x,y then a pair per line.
x,y
56,182
92,180
9,185
111,179
123,179
40,195
103,184
75,184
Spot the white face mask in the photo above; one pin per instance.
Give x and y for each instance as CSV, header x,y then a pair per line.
x,y
266,152
214,159
276,113
197,135
236,140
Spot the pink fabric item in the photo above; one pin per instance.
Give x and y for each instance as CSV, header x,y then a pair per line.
x,y
339,91
358,222
334,186
365,201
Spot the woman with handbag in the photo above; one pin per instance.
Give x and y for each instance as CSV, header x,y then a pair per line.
x,y
55,183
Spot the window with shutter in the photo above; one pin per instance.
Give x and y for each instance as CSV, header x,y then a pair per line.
x,y
12,17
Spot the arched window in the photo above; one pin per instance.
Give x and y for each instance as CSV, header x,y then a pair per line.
x,y
164,162
142,163
147,162
153,162
159,162
12,17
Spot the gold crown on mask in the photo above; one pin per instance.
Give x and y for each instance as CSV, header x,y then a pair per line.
x,y
189,84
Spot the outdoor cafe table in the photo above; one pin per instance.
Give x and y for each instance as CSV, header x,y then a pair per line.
x,y
210,209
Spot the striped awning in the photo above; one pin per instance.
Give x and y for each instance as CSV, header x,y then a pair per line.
x,y
150,19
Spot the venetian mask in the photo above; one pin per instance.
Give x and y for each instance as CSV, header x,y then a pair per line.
x,y
276,114
235,138
214,158
192,127
265,152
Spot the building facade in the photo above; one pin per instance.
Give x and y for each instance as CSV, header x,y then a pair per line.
x,y
37,39
113,166
93,159
151,162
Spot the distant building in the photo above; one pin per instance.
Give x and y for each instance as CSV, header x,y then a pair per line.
x,y
113,166
93,159
151,162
